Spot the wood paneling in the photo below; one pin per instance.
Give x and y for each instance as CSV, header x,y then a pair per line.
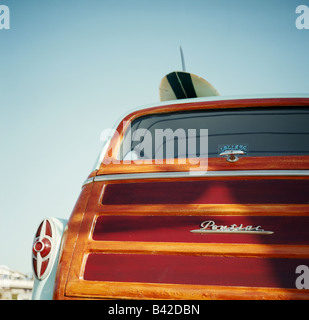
x,y
268,266
279,216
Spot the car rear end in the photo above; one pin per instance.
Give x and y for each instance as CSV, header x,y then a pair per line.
x,y
206,229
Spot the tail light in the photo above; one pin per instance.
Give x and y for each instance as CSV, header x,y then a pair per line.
x,y
43,249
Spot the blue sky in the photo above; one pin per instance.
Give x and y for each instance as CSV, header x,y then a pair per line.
x,y
70,69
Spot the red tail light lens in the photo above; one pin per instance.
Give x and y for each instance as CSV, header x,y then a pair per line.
x,y
42,249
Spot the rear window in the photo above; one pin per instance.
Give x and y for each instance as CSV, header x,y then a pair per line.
x,y
259,132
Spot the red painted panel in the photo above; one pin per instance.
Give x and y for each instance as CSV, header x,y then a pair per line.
x,y
287,230
199,270
209,192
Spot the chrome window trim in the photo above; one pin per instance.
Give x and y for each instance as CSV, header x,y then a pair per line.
x,y
193,174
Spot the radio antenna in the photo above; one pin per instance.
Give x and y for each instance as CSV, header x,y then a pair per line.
x,y
182,60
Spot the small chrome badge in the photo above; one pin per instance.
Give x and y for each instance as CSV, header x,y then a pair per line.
x,y
232,151
210,226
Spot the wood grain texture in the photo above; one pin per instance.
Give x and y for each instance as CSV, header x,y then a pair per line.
x,y
70,237
79,243
214,249
122,290
212,164
75,287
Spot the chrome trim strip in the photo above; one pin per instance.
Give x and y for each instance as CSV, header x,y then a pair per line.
x,y
193,174
87,181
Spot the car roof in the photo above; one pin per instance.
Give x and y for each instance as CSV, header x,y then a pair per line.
x,y
230,97
213,98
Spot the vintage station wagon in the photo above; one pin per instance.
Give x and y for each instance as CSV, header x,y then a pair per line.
x,y
192,198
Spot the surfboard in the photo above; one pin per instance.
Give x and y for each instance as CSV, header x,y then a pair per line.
x,y
185,85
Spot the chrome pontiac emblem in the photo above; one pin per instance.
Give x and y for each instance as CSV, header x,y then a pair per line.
x,y
210,226
232,151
